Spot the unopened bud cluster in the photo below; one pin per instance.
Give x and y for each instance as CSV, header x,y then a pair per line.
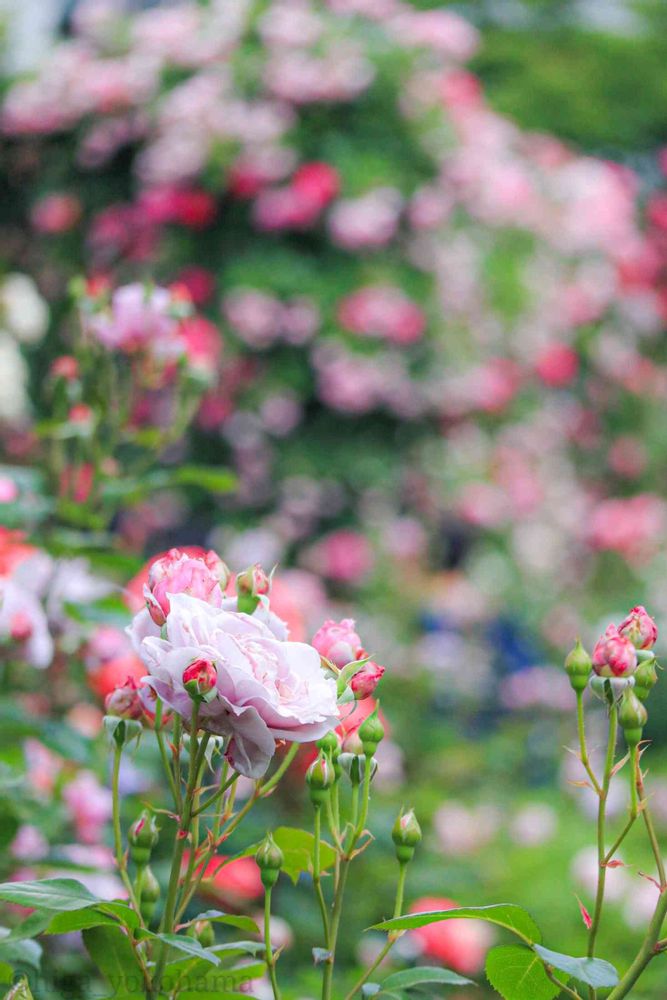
x,y
622,664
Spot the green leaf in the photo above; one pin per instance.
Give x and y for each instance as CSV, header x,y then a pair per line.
x,y
508,915
188,945
111,952
370,989
20,991
230,919
206,477
6,974
219,982
424,974
518,974
19,952
594,972
61,894
79,920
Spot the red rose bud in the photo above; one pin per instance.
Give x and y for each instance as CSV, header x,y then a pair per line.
x,y
614,655
646,677
354,766
371,732
365,681
150,894
200,679
320,777
578,666
20,626
352,742
142,838
632,716
251,584
269,860
406,834
124,701
639,628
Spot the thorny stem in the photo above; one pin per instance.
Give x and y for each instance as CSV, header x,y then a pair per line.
x,y
121,860
317,875
602,808
583,747
392,937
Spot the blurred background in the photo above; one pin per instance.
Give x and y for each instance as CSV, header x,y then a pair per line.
x,y
427,248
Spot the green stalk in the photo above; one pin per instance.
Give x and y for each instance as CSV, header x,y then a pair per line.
x,y
601,821
270,961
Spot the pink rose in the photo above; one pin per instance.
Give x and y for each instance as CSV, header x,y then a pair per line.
x,y
177,573
266,689
639,628
614,655
139,318
338,641
89,804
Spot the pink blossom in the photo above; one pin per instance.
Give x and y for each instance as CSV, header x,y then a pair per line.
x,y
345,556
89,805
266,689
338,641
56,213
557,365
632,526
139,318
23,623
384,312
177,573
370,221
614,654
639,628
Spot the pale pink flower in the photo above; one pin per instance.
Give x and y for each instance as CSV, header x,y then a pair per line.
x,y
382,311
345,556
139,318
370,221
266,689
338,641
204,577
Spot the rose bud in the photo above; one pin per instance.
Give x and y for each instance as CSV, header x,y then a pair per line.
x,y
150,894
632,716
354,766
330,745
639,628
65,367
365,681
251,584
614,655
320,777
352,742
177,573
646,677
202,931
371,732
338,642
578,666
269,860
124,701
200,680
142,838
20,627
406,834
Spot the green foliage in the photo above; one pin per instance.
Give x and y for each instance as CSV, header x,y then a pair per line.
x,y
518,974
593,971
112,953
508,915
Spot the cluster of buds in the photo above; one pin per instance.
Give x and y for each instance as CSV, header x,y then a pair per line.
x,y
623,662
269,860
203,576
200,679
339,645
142,838
251,585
